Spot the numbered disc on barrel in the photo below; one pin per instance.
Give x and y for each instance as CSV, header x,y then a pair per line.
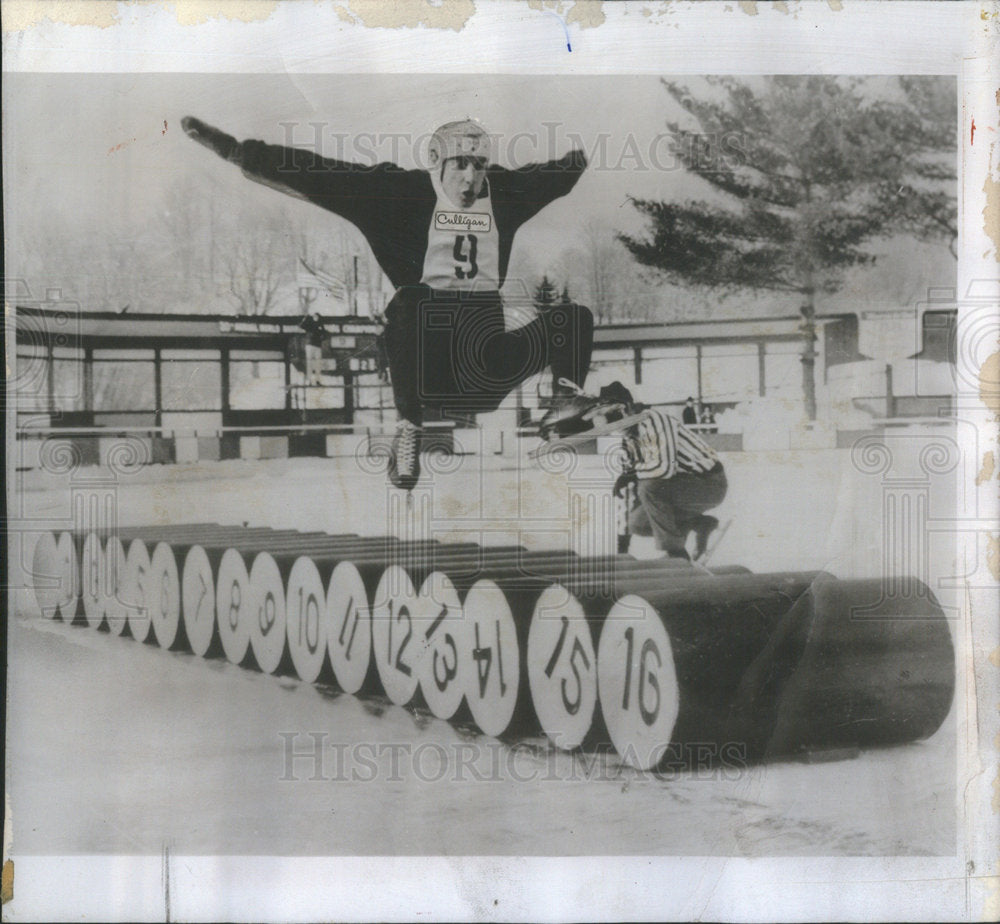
x,y
562,668
233,606
198,599
164,595
305,626
90,580
267,619
45,574
113,607
441,642
134,588
69,576
637,681
494,662
393,642
348,630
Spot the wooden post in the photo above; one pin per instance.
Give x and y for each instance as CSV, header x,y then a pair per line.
x,y
50,377
288,377
809,354
224,378
697,350
88,381
158,386
349,397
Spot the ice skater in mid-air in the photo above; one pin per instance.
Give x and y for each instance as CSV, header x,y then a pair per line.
x,y
443,237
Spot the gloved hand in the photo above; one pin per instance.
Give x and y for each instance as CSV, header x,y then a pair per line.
x,y
622,482
226,146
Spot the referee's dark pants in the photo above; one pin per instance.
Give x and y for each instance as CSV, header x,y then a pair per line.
x,y
451,350
669,507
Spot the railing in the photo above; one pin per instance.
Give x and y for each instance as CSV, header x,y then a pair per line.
x,y
208,432
915,421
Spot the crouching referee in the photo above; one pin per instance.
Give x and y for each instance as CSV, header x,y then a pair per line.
x,y
678,477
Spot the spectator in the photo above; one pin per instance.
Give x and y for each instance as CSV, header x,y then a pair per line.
x,y
708,417
313,327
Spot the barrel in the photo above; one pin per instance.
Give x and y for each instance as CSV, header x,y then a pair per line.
x,y
46,574
135,589
671,663
194,595
113,610
530,610
199,556
871,669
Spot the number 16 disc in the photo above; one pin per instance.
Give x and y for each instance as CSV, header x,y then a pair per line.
x,y
637,682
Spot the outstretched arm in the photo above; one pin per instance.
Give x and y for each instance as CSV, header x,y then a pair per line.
x,y
345,188
226,146
529,189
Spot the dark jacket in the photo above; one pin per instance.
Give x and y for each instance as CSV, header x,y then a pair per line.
x,y
393,207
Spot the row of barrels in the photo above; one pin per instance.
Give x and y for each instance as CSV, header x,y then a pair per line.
x,y
641,655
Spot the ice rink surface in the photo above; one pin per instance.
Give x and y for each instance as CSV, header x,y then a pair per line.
x,y
116,747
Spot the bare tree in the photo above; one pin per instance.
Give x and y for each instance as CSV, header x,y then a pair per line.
x,y
186,229
256,257
599,252
339,251
600,273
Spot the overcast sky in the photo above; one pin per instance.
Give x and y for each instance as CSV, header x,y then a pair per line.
x,y
89,149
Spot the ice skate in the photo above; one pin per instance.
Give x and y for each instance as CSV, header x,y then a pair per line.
x,y
703,528
404,462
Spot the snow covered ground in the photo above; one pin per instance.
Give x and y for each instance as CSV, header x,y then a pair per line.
x,y
116,747
128,748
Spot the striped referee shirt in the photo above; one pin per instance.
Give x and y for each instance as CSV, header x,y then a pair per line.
x,y
660,447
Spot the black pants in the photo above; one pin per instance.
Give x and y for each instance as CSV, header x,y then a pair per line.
x,y
451,351
668,508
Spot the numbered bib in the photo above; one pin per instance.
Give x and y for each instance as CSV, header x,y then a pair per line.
x,y
463,246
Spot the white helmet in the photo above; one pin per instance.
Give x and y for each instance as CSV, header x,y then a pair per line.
x,y
466,138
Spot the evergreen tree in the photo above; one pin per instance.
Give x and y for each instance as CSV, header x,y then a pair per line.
x,y
807,172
